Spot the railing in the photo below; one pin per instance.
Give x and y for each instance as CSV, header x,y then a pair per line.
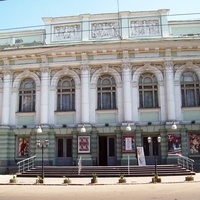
x,y
26,164
79,165
185,162
128,165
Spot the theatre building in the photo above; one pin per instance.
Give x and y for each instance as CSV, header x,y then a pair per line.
x,y
99,86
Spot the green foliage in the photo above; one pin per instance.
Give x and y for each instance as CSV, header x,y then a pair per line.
x,y
94,176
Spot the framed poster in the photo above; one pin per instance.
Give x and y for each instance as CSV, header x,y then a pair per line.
x,y
23,146
174,144
128,143
194,143
83,144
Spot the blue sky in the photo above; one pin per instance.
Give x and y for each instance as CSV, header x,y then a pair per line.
x,y
26,13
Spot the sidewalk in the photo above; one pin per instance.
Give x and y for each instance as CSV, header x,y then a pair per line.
x,y
4,179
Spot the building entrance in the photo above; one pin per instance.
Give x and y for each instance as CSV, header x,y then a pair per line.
x,y
152,150
64,151
107,151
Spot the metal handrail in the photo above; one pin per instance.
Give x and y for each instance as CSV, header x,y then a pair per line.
x,y
26,164
186,162
79,165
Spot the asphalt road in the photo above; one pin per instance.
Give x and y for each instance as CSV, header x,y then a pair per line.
x,y
158,191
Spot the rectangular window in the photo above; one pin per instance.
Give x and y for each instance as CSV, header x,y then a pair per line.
x,y
23,147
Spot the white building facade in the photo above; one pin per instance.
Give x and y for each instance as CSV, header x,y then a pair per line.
x,y
103,72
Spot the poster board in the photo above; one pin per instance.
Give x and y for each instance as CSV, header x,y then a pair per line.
x,y
83,144
174,144
140,156
128,143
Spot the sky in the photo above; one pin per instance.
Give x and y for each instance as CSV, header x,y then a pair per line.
x,y
15,14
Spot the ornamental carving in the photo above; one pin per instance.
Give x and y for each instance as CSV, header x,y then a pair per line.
x,y
104,30
67,32
147,65
65,70
26,72
6,72
44,69
126,66
169,63
84,67
105,68
189,64
84,56
125,54
144,28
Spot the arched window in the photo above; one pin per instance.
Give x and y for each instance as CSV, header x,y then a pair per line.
x,y
148,91
27,95
66,94
106,92
190,89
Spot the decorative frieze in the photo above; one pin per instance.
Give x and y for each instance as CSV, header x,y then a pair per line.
x,y
67,32
141,28
104,30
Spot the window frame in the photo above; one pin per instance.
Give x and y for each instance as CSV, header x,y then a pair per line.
x,y
27,92
67,92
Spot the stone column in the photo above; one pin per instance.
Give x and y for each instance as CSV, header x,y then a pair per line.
x,y
170,90
127,97
44,95
85,80
6,97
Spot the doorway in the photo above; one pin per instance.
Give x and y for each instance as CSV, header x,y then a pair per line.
x,y
64,152
107,150
152,150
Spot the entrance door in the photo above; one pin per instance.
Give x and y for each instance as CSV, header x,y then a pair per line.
x,y
151,151
107,150
64,151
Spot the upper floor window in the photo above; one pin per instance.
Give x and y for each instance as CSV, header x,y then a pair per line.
x,y
148,91
66,94
106,92
190,89
27,95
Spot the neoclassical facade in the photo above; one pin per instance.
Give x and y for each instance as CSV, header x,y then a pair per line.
x,y
103,72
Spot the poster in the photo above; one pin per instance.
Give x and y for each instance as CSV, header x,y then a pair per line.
x,y
23,147
194,143
174,144
83,144
140,156
128,143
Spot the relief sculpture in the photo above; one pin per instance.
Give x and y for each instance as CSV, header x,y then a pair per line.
x,y
144,28
104,30
67,32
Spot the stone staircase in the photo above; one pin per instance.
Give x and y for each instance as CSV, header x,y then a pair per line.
x,y
106,171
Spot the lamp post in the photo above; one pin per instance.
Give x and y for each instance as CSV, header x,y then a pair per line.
x,y
155,153
42,146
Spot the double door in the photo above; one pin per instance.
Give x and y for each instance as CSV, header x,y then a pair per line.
x,y
107,151
64,151
152,150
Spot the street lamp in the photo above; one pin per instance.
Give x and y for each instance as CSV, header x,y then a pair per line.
x,y
42,146
155,153
83,129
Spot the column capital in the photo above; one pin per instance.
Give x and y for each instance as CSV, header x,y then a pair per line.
x,y
168,64
6,71
85,67
44,69
126,65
